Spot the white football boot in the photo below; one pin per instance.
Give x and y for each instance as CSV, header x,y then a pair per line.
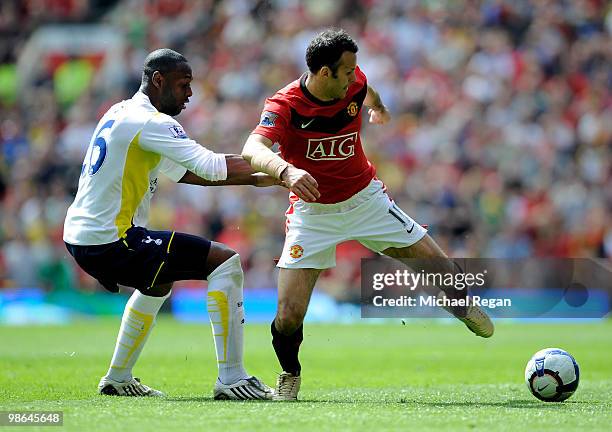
x,y
245,389
287,387
478,322
475,319
133,387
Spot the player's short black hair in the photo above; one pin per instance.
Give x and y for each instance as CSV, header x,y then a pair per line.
x,y
327,48
163,60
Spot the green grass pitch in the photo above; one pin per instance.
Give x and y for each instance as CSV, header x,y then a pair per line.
x,y
424,375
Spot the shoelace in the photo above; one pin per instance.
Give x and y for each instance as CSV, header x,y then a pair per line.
x,y
286,384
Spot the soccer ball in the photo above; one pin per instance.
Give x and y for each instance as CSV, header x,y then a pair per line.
x,y
552,375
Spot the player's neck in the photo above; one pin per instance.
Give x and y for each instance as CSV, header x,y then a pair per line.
x,y
316,88
152,97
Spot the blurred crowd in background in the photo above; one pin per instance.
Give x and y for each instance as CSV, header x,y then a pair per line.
x,y
501,137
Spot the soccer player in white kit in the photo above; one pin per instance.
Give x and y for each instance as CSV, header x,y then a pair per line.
x,y
335,195
105,228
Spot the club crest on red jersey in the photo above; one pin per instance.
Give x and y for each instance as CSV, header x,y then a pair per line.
x,y
296,251
352,109
332,148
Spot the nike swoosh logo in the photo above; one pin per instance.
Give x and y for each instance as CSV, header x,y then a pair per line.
x,y
402,221
305,125
542,388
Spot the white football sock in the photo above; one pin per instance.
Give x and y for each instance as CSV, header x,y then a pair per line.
x,y
136,325
226,313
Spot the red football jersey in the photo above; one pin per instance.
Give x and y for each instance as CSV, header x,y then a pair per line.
x,y
320,137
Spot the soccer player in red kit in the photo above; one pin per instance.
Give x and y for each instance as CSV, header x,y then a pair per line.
x,y
335,195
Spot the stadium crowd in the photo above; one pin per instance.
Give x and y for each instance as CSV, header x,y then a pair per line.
x,y
501,138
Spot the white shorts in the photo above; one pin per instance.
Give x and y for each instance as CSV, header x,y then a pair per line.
x,y
369,216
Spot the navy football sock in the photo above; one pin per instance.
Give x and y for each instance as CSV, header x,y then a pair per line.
x,y
287,348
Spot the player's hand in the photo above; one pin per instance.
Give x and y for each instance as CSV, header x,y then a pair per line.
x,y
379,116
301,183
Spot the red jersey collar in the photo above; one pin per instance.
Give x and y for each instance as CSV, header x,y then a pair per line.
x,y
312,97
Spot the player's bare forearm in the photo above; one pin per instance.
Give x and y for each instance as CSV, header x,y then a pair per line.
x,y
373,100
379,114
239,172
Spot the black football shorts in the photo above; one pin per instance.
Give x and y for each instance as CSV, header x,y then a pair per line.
x,y
144,258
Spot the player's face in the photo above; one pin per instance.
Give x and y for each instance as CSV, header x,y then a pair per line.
x,y
345,76
176,90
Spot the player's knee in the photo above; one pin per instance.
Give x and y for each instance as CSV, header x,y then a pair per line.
x,y
425,248
229,268
218,255
226,253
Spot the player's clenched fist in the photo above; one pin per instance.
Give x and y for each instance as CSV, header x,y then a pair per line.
x,y
378,116
301,183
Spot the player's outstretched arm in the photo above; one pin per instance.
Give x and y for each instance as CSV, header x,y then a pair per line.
x,y
239,172
379,114
258,153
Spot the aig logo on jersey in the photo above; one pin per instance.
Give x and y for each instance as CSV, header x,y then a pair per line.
x,y
333,148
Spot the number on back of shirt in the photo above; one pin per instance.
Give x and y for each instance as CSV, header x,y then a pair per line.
x,y
97,150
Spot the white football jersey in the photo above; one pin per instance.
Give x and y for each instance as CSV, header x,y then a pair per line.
x,y
132,143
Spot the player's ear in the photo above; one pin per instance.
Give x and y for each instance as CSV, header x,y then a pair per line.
x,y
157,79
325,71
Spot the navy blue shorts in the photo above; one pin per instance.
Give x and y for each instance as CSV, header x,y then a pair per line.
x,y
144,259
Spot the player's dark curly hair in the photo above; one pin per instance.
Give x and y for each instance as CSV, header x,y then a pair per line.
x,y
163,60
327,48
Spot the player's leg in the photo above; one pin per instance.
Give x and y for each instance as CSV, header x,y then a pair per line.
x,y
427,256
128,264
138,320
313,231
434,260
382,226
221,267
195,258
294,290
158,258
226,313
431,258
